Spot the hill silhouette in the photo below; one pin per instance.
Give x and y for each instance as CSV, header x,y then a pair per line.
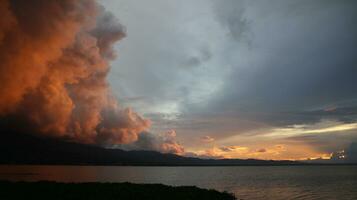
x,y
17,148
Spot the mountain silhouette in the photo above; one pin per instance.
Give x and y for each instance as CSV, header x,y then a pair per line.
x,y
17,148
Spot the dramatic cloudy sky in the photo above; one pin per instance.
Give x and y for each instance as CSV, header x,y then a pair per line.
x,y
264,79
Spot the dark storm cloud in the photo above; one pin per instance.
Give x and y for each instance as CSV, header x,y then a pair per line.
x,y
329,142
231,15
346,114
304,58
197,60
241,68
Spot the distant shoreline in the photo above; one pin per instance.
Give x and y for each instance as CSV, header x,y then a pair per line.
x,y
143,165
47,151
108,191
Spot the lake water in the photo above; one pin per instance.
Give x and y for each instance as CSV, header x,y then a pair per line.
x,y
246,182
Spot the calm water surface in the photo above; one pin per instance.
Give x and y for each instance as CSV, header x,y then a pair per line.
x,y
268,182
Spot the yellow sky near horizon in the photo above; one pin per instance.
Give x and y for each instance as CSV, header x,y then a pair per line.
x,y
275,143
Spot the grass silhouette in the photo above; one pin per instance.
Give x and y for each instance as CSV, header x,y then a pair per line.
x,y
105,191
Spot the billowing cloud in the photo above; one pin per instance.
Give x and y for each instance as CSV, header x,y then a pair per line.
x,y
165,143
54,64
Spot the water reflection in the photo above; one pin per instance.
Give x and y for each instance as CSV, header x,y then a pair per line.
x,y
289,182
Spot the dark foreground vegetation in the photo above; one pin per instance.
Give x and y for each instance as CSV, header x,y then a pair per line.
x,y
105,191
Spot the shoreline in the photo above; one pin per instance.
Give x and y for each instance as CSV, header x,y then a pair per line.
x,y
143,165
94,190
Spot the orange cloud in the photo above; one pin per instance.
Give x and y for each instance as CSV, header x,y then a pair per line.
x,y
170,145
268,152
54,64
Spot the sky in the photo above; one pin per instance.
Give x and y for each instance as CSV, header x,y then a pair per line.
x,y
205,78
241,79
